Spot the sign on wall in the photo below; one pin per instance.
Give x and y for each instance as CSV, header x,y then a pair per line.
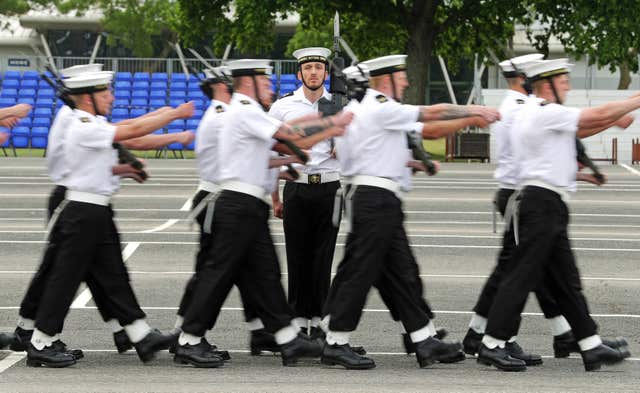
x,y
17,62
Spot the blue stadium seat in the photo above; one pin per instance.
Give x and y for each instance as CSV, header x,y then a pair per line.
x,y
137,112
9,93
26,93
141,85
20,136
43,112
42,84
158,85
46,93
198,103
121,103
158,94
6,102
193,86
140,103
41,122
119,94
123,76
192,95
44,103
29,84
287,87
197,114
178,77
140,94
30,75
176,102
157,103
12,75
288,78
26,100
141,76
120,113
25,122
178,86
10,84
159,77
177,94
122,85
39,136
176,125
192,124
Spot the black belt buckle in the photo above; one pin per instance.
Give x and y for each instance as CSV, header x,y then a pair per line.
x,y
315,178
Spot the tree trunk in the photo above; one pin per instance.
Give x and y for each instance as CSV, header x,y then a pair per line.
x,y
422,31
625,76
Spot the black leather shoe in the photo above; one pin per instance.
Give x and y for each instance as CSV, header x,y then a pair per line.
x,y
49,356
433,350
153,342
199,355
299,347
122,341
359,349
500,358
515,351
594,358
317,333
6,339
21,339
344,356
261,340
62,347
566,343
471,342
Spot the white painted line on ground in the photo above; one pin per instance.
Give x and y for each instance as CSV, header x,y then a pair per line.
x,y
10,360
632,170
185,207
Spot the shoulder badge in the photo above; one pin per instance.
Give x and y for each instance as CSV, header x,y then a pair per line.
x,y
219,109
85,120
381,98
245,102
520,101
545,102
289,94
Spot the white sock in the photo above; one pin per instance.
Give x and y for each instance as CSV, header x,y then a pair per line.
x,y
287,334
478,323
301,323
255,324
422,333
186,338
26,323
559,325
402,329
41,340
589,342
179,321
491,342
137,330
324,323
315,321
340,338
512,339
114,325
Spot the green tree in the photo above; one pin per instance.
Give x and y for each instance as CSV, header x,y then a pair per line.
x,y
605,30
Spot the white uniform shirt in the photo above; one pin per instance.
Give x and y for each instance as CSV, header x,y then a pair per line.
x,y
377,136
505,131
296,105
207,141
545,146
89,154
245,142
55,151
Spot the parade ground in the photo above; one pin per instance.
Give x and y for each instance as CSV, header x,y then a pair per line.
x,y
449,223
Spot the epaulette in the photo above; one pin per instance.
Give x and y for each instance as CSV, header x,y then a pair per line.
x,y
381,98
85,120
289,94
219,109
520,101
245,102
545,102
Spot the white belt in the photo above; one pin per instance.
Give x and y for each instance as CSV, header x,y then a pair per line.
x,y
318,178
208,186
245,188
564,195
374,181
87,197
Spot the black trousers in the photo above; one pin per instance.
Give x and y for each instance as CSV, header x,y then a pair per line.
x,y
88,249
241,244
376,254
503,267
206,242
31,300
310,243
543,253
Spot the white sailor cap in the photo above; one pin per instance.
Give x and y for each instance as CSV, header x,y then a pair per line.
x,y
547,68
217,74
80,69
386,64
246,67
520,62
306,55
89,82
357,73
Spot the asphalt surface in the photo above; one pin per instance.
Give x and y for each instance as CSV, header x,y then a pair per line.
x,y
448,218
